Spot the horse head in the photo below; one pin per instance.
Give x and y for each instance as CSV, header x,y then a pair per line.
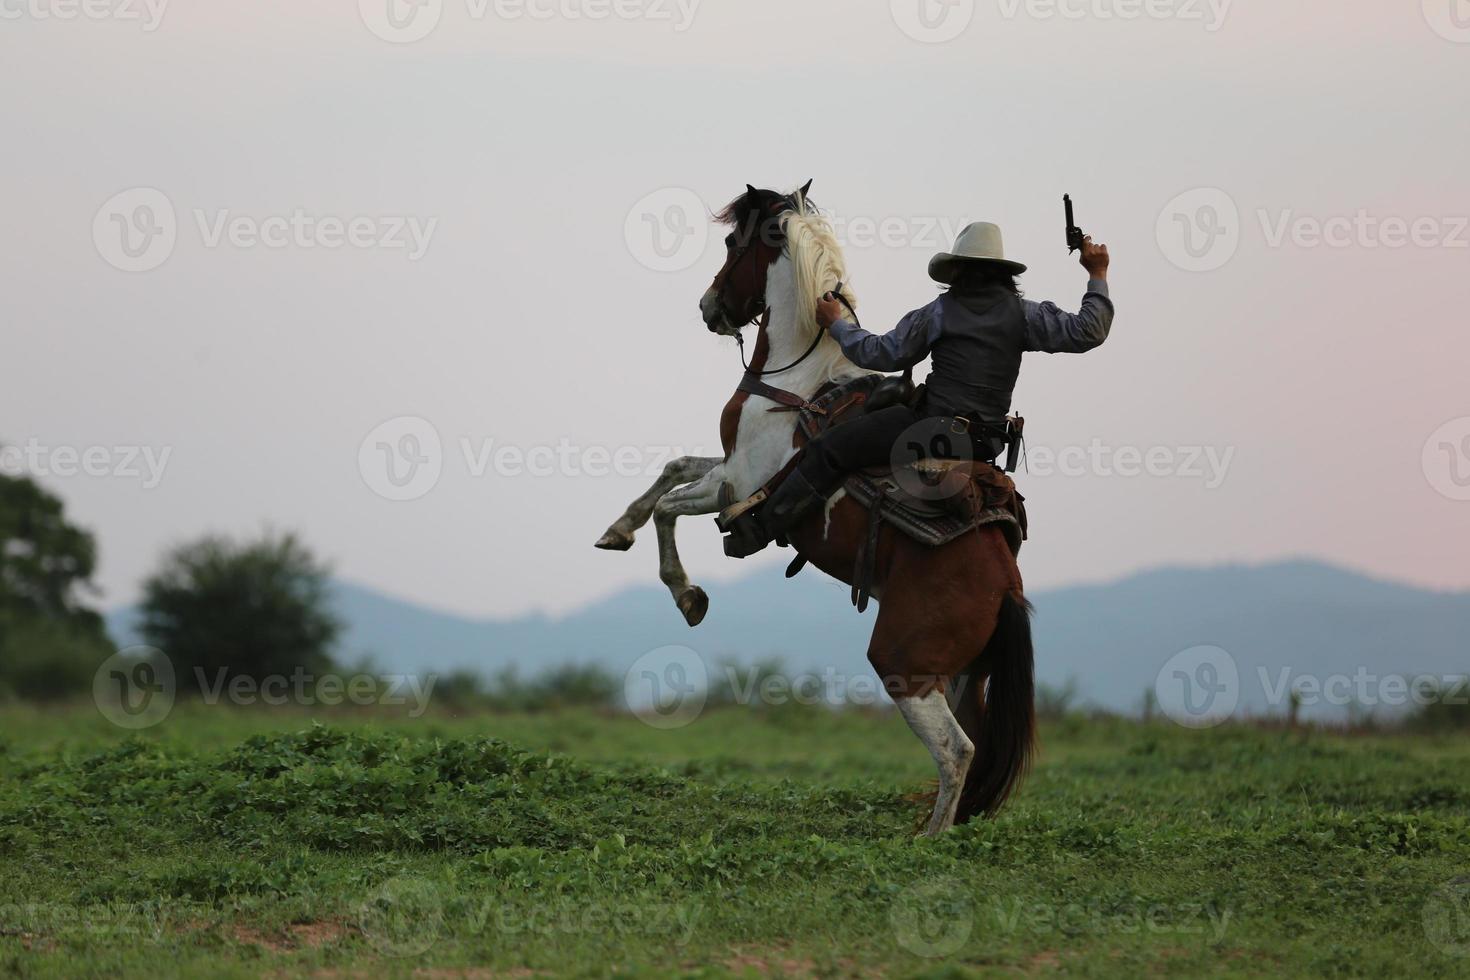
x,y
757,221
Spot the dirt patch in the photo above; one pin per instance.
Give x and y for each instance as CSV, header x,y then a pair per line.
x,y
1044,962
778,961
297,935
476,973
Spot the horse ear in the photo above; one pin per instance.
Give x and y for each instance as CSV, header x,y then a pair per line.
x,y
751,192
806,189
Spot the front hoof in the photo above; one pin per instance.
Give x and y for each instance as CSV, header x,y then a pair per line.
x,y
694,604
615,540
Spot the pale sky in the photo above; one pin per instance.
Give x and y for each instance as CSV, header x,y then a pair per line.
x,y
1300,396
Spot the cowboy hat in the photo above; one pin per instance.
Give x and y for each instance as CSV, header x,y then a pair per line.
x,y
978,244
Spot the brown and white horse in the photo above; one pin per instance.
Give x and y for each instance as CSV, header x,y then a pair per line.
x,y
952,641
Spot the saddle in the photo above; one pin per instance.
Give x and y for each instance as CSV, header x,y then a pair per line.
x,y
931,501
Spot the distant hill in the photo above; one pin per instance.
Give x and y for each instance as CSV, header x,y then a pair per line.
x,y
1112,639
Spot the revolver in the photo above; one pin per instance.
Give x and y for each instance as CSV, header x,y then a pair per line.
x,y
1075,235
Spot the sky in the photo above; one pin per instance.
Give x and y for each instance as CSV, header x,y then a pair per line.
x,y
255,253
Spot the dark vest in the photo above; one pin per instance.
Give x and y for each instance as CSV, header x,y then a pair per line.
x,y
977,358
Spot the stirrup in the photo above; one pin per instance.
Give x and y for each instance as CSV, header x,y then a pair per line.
x,y
746,536
727,517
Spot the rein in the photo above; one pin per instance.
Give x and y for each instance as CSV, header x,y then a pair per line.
x,y
751,382
740,342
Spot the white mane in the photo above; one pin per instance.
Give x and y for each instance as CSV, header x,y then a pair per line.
x,y
818,266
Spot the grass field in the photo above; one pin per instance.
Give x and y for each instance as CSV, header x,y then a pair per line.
x,y
241,843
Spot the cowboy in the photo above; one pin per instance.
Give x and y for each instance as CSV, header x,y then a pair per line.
x,y
975,334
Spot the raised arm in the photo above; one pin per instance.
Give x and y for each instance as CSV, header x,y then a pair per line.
x,y
1053,330
902,347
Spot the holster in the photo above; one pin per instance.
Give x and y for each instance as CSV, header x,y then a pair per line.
x,y
890,392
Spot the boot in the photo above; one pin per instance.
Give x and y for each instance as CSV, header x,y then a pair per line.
x,y
745,536
796,497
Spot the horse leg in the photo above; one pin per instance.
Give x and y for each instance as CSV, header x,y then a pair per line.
x,y
954,617
685,469
931,719
702,497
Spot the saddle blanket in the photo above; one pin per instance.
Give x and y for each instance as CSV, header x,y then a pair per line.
x,y
932,501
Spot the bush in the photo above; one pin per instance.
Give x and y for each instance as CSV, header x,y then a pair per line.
x,y
51,643
254,609
1448,711
48,659
570,685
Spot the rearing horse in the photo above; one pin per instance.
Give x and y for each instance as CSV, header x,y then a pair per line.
x,y
952,641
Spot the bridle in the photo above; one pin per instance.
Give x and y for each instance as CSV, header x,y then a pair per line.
x,y
743,252
740,339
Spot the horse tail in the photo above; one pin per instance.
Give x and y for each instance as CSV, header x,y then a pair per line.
x,y
999,718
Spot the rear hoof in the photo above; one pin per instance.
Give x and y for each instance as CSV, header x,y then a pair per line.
x,y
615,541
694,604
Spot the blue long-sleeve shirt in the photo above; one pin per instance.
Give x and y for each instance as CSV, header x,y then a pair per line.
x,y
976,341
1049,329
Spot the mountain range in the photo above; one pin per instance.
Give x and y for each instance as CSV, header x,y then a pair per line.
x,y
1279,626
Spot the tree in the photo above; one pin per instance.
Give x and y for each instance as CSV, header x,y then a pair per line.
x,y
51,643
254,609
44,561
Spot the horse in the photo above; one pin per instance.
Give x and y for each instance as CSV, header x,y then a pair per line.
x,y
952,639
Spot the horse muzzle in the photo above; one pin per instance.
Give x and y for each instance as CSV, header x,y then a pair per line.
x,y
716,319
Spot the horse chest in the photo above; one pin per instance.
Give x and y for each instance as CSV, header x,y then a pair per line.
x,y
760,443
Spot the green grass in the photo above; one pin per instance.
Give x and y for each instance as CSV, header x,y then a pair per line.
x,y
241,843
